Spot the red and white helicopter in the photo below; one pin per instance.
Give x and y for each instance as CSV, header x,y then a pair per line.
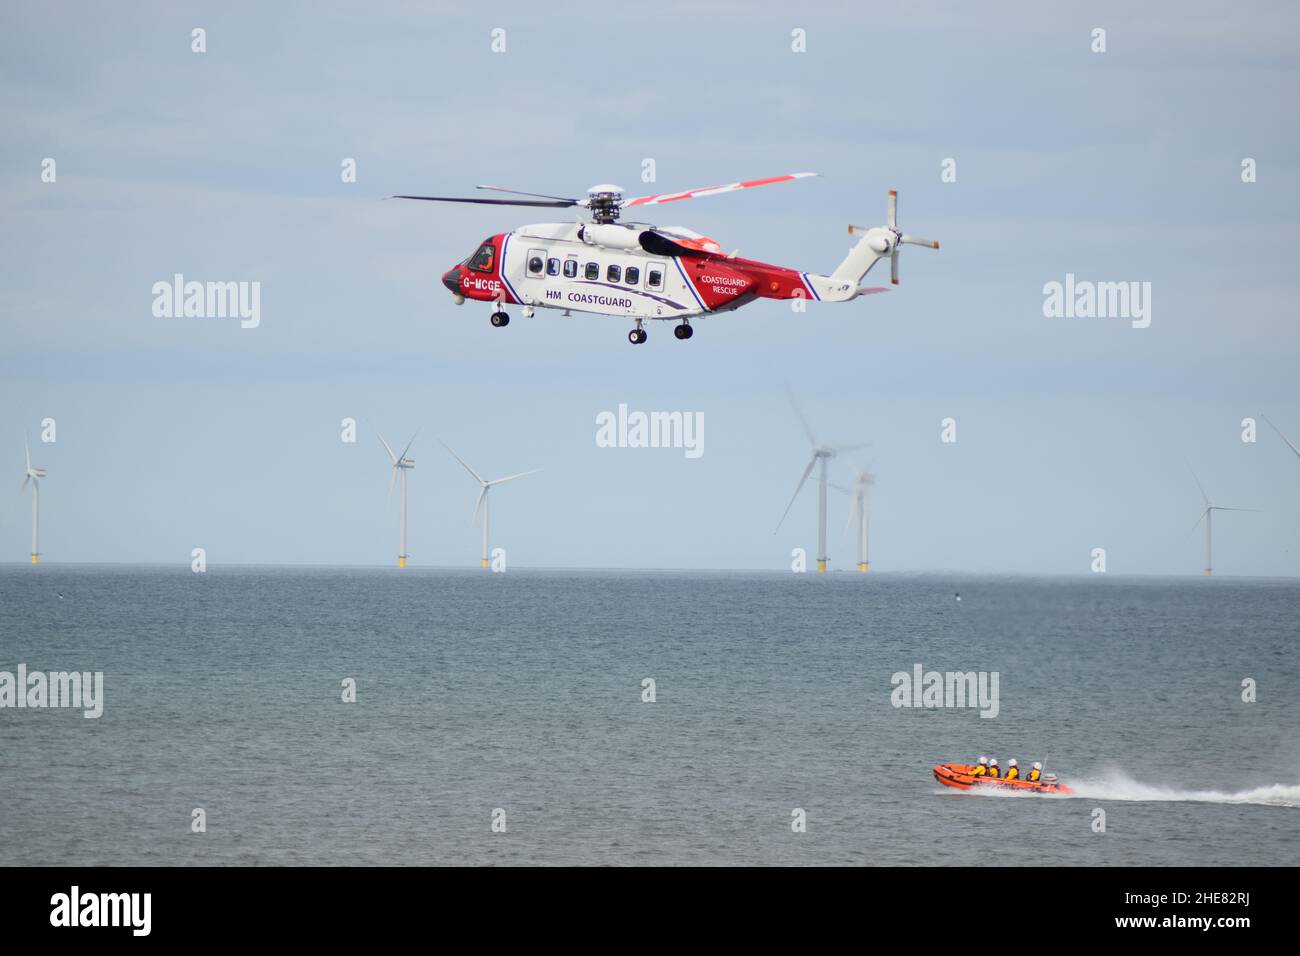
x,y
641,271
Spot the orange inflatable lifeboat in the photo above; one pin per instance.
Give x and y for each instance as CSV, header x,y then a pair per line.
x,y
961,776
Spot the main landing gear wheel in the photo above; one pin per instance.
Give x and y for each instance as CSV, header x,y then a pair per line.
x,y
500,319
636,336
683,331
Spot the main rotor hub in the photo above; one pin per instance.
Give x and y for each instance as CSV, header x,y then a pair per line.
x,y
604,202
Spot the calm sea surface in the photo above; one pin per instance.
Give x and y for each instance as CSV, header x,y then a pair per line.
x,y
523,691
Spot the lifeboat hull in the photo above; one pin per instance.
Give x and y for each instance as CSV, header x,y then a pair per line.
x,y
961,777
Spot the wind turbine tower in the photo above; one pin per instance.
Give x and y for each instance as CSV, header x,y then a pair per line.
x,y
34,475
401,465
485,486
821,455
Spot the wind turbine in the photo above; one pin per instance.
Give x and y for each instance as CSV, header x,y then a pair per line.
x,y
401,465
1290,444
485,487
858,492
1207,516
34,475
821,454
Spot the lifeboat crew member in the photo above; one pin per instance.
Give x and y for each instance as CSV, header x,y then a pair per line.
x,y
1013,772
993,768
1035,772
981,768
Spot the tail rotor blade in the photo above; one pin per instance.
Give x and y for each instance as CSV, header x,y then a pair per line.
x,y
915,241
893,209
893,267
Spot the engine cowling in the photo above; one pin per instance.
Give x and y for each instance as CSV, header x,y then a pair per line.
x,y
610,235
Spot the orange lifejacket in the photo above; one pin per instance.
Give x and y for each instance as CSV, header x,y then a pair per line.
x,y
1013,773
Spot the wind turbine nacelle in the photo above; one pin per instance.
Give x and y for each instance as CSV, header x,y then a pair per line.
x,y
610,235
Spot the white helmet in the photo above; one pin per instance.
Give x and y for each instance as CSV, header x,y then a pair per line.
x,y
983,761
1037,765
1012,762
994,762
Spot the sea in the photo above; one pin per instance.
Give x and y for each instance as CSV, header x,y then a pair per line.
x,y
366,716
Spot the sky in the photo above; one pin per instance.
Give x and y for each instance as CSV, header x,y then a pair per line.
x,y
1072,434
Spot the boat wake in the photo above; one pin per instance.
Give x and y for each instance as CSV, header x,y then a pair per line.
x,y
1117,785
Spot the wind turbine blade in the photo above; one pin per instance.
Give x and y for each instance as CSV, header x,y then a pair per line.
x,y
1204,496
27,451
831,484
838,449
1221,508
812,462
387,449
402,456
853,512
807,429
392,481
1198,521
522,474
462,462
1288,441
478,504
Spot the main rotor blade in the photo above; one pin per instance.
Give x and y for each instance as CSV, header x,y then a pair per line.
x,y
522,474
893,267
462,462
797,488
661,198
519,192
893,209
560,204
387,449
1288,441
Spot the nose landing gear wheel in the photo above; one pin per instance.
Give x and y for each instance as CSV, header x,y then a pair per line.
x,y
636,336
683,331
500,319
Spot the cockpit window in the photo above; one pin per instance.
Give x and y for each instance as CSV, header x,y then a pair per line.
x,y
481,261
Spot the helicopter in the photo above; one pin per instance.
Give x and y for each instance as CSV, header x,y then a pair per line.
x,y
644,272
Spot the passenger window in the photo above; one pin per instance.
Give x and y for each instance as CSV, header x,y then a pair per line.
x,y
632,276
613,273
552,267
593,270
570,268
536,262
654,279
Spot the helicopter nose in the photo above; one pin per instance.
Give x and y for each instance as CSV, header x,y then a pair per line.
x,y
451,279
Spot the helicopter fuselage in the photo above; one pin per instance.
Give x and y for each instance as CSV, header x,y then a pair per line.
x,y
630,270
